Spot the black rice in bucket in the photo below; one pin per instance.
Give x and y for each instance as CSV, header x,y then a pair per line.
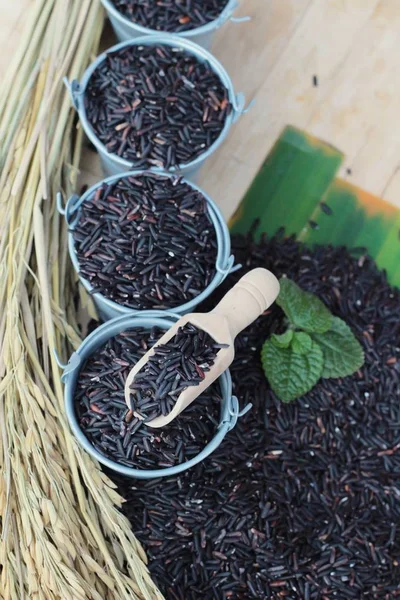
x,y
146,242
156,106
112,428
172,16
302,500
180,363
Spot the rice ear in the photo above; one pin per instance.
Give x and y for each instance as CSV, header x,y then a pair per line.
x,y
62,536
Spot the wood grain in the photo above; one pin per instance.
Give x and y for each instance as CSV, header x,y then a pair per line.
x,y
351,46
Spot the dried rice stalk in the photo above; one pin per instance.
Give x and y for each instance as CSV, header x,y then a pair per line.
x,y
62,536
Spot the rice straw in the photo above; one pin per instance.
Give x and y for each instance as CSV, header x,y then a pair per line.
x,y
62,535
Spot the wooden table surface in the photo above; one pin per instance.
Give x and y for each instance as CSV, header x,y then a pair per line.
x,y
351,47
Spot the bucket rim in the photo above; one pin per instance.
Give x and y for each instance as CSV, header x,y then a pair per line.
x,y
78,91
98,338
222,260
222,18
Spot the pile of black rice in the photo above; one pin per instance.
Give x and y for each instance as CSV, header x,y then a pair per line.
x,y
146,242
172,16
156,106
302,500
114,430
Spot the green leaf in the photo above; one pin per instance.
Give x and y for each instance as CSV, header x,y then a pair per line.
x,y
304,310
343,354
283,340
301,343
298,166
291,375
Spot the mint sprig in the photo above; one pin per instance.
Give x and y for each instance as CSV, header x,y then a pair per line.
x,y
316,344
284,340
289,373
303,310
343,354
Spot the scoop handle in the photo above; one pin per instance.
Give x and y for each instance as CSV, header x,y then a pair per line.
x,y
248,299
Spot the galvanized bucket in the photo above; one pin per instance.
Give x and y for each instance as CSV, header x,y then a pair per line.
x,y
113,164
108,309
229,407
127,30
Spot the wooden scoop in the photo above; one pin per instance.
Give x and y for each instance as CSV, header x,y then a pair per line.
x,y
242,305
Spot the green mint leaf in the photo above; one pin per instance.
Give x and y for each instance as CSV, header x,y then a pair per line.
x,y
291,375
304,310
283,340
343,354
301,343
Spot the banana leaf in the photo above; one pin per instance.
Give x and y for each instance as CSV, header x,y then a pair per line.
x,y
297,189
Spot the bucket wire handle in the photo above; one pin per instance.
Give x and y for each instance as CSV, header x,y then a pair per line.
x,y
239,105
235,413
60,204
159,314
227,15
240,19
73,364
69,367
75,91
69,209
228,268
60,363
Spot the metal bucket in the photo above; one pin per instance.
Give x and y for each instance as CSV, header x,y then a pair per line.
x,y
127,30
229,406
113,164
108,309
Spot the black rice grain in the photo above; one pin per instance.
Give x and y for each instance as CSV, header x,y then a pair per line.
x,y
146,242
301,500
112,428
172,16
156,106
180,363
